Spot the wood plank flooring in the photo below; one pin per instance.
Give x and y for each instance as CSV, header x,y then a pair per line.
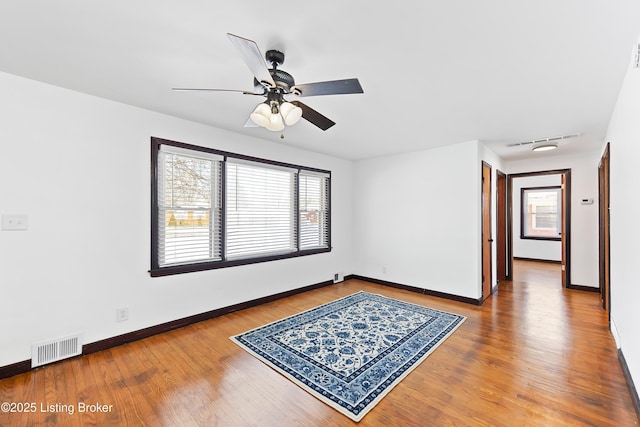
x,y
532,355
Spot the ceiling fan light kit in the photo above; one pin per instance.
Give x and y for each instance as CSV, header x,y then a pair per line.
x,y
261,115
290,113
274,84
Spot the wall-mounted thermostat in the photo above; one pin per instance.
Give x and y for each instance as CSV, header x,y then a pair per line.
x,y
586,201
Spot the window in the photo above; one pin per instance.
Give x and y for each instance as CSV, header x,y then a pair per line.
x,y
540,216
213,209
260,210
313,190
188,208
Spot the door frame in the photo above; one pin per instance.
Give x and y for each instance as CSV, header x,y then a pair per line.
x,y
604,227
566,221
486,237
501,226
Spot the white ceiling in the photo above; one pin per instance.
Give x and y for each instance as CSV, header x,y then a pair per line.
x,y
434,72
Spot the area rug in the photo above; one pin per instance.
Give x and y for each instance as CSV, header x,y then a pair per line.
x,y
351,352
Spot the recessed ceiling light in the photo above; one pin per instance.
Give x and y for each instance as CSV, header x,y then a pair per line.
x,y
545,147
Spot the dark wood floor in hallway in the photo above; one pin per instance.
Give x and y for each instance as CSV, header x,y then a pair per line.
x,y
533,354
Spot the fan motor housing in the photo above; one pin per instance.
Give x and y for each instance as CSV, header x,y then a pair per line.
x,y
281,78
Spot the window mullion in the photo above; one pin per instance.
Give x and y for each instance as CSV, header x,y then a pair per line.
x,y
296,209
223,209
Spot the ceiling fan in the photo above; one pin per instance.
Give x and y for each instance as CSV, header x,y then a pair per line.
x,y
274,84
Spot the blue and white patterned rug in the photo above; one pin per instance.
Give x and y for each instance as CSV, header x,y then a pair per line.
x,y
351,352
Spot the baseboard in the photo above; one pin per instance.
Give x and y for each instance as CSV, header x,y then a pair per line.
x,y
175,324
417,290
583,288
632,387
537,260
25,366
15,369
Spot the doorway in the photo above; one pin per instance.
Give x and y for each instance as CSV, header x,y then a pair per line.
x,y
501,226
565,221
487,239
603,230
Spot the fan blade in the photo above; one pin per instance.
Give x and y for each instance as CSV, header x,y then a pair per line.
x,y
245,92
314,117
334,87
253,58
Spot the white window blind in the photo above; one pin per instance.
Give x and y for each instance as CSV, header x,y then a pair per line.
x,y
541,213
260,210
189,208
313,204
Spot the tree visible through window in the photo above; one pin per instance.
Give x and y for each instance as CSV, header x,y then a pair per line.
x,y
313,190
188,208
541,213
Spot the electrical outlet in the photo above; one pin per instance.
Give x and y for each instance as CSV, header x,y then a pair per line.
x,y
122,314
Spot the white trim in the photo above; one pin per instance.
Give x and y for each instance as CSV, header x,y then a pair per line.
x,y
307,172
257,163
614,332
196,154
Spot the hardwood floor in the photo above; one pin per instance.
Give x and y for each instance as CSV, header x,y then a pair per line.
x,y
533,354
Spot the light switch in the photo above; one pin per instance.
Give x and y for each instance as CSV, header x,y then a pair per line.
x,y
15,221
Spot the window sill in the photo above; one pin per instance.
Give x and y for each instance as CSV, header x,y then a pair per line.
x,y
553,239
204,266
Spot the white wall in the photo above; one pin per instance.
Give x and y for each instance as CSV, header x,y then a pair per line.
x,y
584,218
624,136
530,248
79,166
416,219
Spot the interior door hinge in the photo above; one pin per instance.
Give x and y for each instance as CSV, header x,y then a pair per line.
x,y
563,268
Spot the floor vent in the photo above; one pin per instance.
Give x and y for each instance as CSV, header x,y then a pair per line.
x,y
52,351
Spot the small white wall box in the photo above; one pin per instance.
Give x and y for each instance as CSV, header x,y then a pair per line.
x,y
586,201
15,221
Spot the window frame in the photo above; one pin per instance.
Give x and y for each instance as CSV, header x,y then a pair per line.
x,y
157,271
524,212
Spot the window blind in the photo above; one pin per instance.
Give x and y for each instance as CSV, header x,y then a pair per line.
x,y
189,214
260,207
313,201
540,213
